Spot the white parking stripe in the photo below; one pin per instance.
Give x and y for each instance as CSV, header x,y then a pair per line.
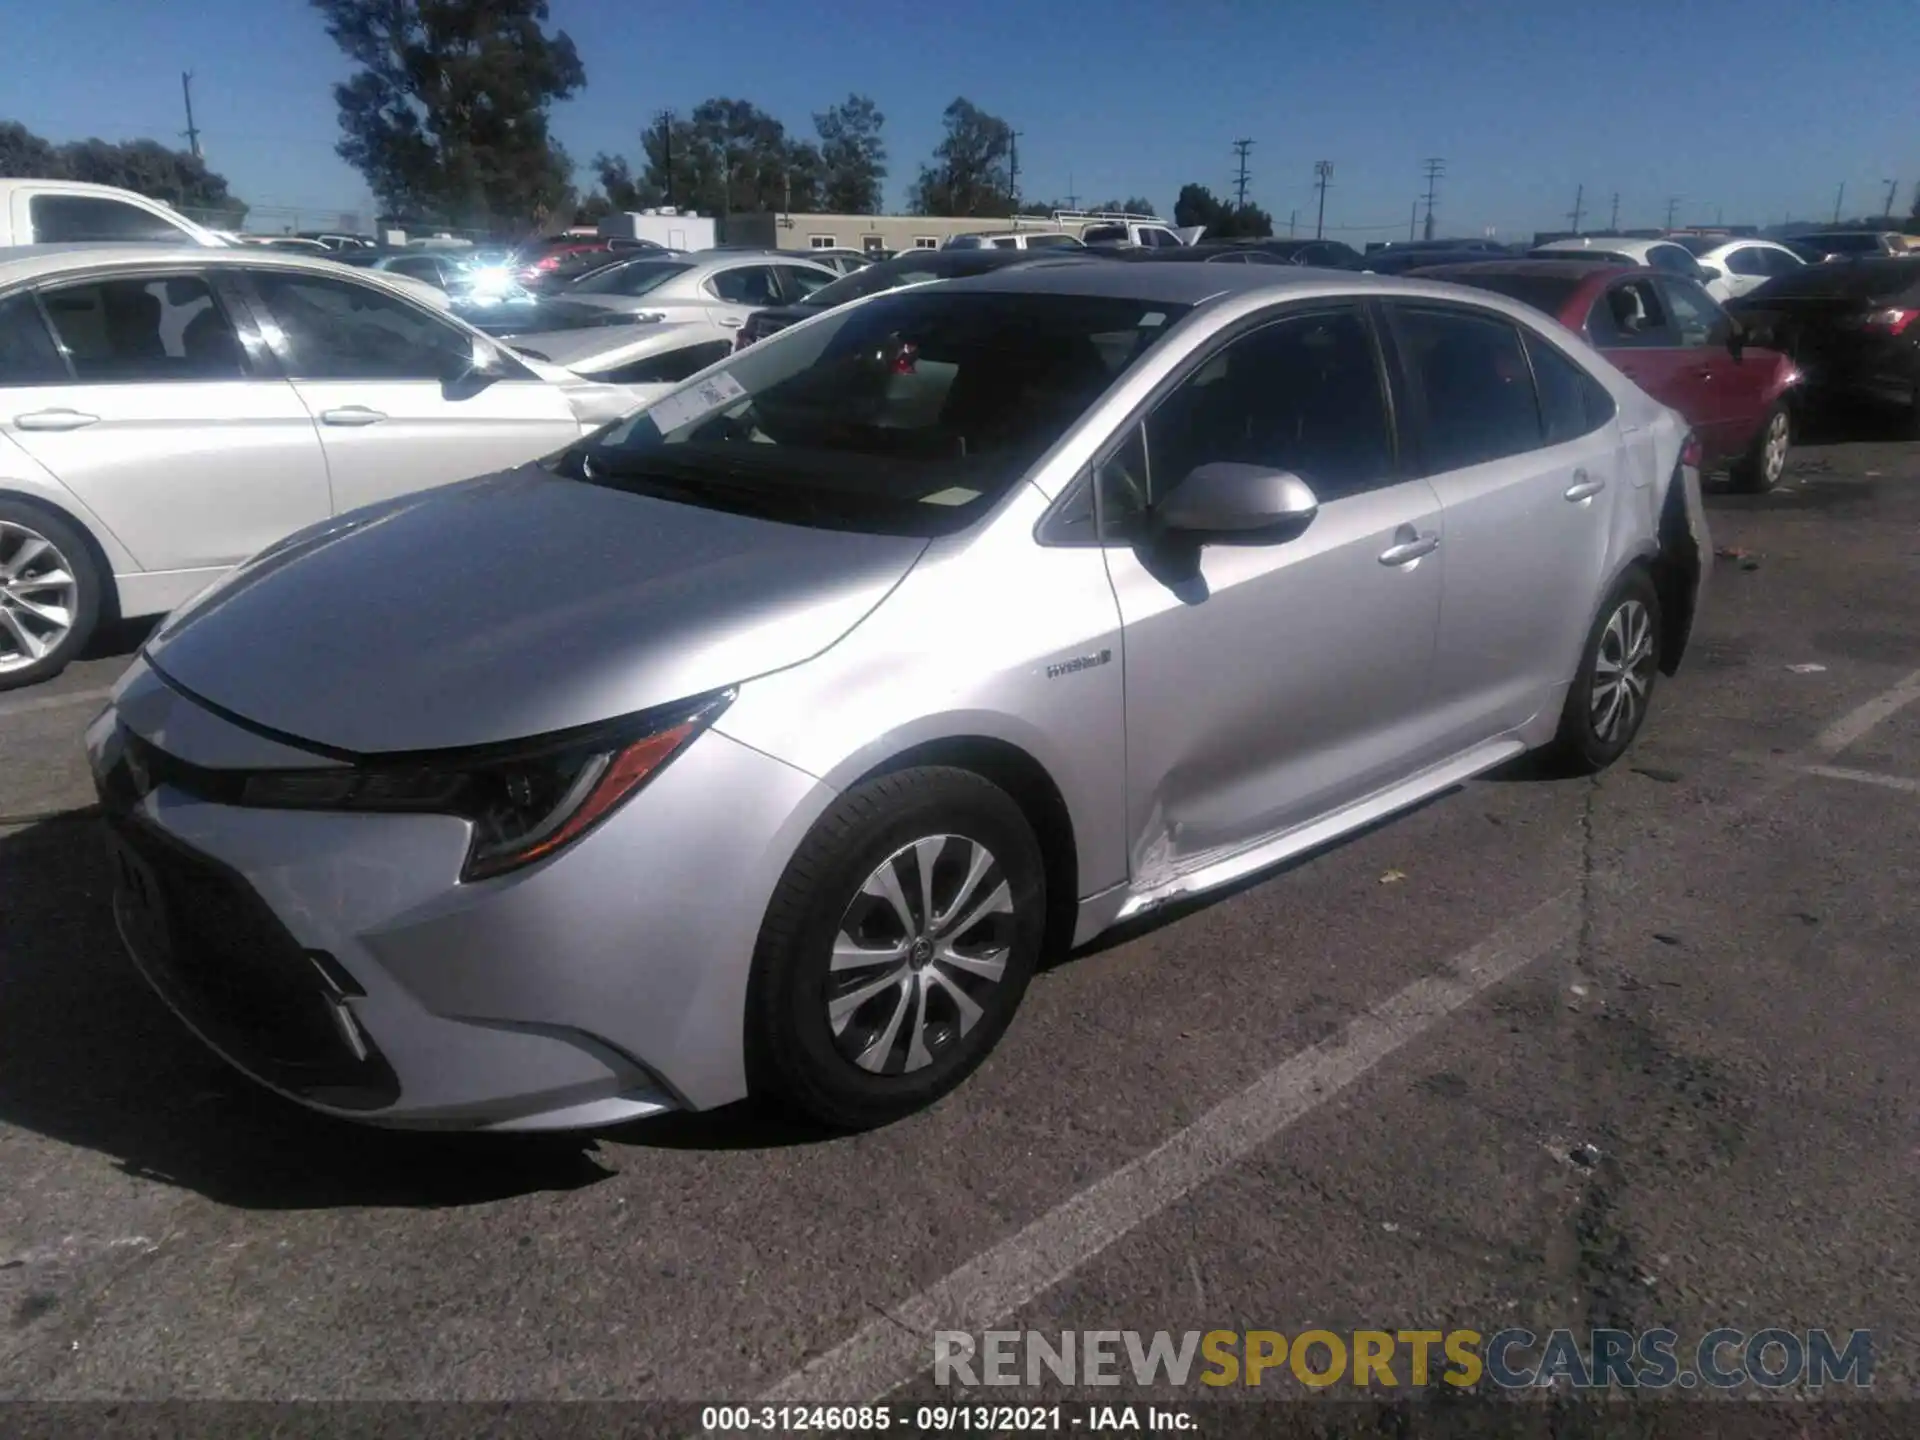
x,y
1865,777
27,705
886,1353
1854,725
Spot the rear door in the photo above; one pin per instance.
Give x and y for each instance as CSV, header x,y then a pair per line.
x,y
187,444
740,290
404,399
1522,447
1629,321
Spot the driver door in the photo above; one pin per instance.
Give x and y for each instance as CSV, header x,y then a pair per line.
x,y
393,391
1269,683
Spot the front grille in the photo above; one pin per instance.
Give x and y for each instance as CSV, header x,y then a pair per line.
x,y
216,951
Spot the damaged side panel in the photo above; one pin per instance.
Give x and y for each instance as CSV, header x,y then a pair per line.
x,y
1682,566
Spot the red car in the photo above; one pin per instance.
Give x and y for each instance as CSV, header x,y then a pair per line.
x,y
1672,339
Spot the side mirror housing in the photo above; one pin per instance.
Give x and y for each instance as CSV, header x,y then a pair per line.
x,y
1228,500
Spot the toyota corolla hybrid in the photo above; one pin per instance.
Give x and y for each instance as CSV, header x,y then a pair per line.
x,y
762,742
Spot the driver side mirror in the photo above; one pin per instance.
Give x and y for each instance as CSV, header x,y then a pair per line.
x,y
1223,500
468,376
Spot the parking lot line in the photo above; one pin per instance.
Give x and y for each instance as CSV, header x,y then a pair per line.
x,y
886,1353
30,704
1854,725
1865,777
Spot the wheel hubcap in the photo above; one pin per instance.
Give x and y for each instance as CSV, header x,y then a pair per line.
x,y
920,951
1622,672
1776,451
38,596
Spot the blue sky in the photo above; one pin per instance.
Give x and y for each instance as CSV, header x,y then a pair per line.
x,y
1753,110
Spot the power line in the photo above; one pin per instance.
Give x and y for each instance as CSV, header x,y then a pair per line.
x,y
1240,149
1435,169
192,131
1579,206
1322,173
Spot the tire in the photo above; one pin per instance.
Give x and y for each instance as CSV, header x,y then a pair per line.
x,y
1760,469
909,1040
50,594
1629,620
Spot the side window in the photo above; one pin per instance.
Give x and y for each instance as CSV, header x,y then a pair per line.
x,y
1301,394
1121,484
1778,262
1572,402
798,282
1671,258
70,219
1470,368
668,369
337,330
117,331
746,285
27,353
1629,314
1695,313
1749,260
422,267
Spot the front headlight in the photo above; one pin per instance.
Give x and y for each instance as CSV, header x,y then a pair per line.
x,y
525,801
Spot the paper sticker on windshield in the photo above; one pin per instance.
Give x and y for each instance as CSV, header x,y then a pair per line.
x,y
957,495
1151,319
686,406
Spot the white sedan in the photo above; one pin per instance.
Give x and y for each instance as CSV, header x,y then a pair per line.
x,y
166,412
1742,265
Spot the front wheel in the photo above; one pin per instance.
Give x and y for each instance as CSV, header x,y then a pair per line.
x,y
1608,700
896,948
1760,469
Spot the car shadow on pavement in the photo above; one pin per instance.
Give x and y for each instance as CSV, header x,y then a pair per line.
x,y
89,1057
118,637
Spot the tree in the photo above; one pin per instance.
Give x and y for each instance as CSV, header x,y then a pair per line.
x,y
447,115
27,155
145,167
1198,205
728,156
969,174
853,161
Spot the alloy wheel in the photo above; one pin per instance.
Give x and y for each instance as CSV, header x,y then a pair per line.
x,y
919,954
1622,672
1773,454
39,596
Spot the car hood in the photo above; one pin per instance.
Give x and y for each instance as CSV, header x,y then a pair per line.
x,y
606,345
512,606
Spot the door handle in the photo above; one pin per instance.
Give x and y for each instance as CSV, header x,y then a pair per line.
x,y
1408,551
1583,488
727,322
351,415
54,420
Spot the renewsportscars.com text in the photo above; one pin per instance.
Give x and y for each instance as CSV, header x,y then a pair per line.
x,y
1511,1359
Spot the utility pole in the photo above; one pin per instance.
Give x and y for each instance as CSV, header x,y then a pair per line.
x,y
1435,169
1240,149
1413,218
1073,200
1673,208
1292,216
1322,173
665,118
1838,196
192,132
1579,206
1613,220
1892,186
1013,168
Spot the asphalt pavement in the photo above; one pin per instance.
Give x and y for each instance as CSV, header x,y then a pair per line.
x,y
1631,1052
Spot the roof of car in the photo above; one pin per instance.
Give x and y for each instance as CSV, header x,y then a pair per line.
x,y
1617,244
1169,284
30,262
1573,269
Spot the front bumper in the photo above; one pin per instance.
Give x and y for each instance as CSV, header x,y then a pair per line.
x,y
338,959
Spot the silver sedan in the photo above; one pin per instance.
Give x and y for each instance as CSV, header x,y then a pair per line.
x,y
763,742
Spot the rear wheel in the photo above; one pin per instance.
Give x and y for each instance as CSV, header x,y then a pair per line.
x,y
50,593
1610,694
1760,469
896,948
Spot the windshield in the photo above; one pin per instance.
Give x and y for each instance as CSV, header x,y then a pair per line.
x,y
1104,235
1052,242
635,278
911,414
914,268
